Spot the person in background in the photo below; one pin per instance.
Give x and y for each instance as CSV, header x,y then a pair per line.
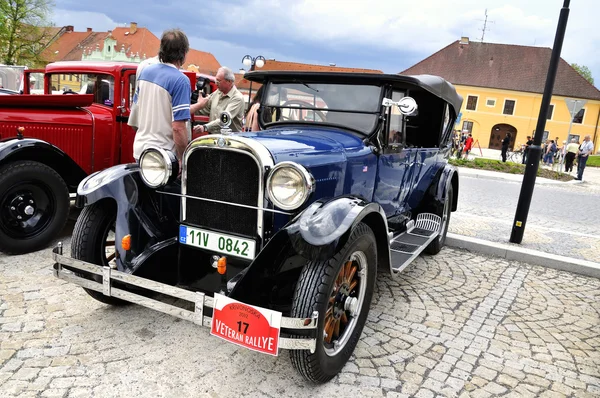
x,y
162,99
252,115
226,98
505,144
549,154
468,145
526,150
572,150
585,150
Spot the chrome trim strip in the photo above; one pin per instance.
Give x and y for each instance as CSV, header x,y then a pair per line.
x,y
200,300
226,203
250,147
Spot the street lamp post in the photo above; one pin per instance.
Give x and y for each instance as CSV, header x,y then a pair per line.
x,y
252,63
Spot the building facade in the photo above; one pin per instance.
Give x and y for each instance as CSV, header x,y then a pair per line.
x,y
502,87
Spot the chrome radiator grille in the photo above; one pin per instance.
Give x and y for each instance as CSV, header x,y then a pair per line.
x,y
227,176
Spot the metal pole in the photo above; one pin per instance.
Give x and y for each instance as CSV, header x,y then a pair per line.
x,y
535,150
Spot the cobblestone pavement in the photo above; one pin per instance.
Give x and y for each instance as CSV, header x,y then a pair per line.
x,y
456,324
563,220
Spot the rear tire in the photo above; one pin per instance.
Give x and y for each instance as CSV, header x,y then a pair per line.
x,y
341,290
436,245
91,240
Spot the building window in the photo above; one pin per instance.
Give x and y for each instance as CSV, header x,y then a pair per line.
x,y
471,103
550,112
491,102
578,118
467,127
509,107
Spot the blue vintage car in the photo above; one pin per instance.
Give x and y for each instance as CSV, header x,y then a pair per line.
x,y
273,239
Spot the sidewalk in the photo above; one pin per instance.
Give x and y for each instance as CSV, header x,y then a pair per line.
x,y
553,247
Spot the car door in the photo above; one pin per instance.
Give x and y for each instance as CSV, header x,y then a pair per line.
x,y
397,164
127,132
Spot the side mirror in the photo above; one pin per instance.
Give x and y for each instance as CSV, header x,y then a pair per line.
x,y
407,105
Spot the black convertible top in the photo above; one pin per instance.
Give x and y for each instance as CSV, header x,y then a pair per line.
x,y
433,84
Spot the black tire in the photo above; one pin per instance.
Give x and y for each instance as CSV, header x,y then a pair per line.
x,y
314,291
39,196
436,245
89,241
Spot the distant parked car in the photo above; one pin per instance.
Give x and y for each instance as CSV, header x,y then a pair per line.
x,y
274,238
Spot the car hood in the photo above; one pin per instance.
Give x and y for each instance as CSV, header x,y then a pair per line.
x,y
306,145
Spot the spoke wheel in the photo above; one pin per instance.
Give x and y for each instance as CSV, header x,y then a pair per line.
x,y
340,290
345,303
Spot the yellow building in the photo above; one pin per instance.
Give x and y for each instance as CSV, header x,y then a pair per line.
x,y
502,87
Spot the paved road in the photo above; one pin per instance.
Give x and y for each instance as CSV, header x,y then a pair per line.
x,y
556,222
456,324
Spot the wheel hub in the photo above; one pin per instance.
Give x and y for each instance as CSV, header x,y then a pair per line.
x,y
341,298
22,207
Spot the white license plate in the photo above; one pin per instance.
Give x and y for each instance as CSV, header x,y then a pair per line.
x,y
214,241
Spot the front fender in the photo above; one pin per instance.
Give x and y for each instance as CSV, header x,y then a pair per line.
x,y
317,234
147,216
323,228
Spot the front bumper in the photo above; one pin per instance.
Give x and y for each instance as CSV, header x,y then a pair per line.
x,y
300,326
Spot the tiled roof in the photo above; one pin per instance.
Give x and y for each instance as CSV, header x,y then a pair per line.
x,y
503,66
295,66
134,40
63,45
205,62
242,83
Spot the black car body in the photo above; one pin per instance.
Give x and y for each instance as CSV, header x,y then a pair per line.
x,y
348,176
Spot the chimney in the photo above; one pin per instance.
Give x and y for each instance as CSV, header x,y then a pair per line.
x,y
132,28
464,40
69,28
89,30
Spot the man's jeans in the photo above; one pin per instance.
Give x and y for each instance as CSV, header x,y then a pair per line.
x,y
581,161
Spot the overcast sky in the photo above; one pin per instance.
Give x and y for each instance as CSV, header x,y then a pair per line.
x,y
389,35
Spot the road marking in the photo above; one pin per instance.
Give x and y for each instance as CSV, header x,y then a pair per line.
x,y
509,223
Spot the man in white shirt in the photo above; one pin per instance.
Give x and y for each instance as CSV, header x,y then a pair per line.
x,y
162,99
585,150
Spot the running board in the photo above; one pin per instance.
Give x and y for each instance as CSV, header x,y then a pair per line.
x,y
407,246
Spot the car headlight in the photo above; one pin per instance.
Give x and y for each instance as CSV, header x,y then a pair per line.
x,y
289,185
157,167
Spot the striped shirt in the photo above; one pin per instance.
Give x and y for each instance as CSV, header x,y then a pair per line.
x,y
162,96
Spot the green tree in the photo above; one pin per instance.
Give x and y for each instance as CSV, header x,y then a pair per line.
x,y
584,71
24,31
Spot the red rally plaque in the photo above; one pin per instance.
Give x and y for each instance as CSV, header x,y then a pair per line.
x,y
245,325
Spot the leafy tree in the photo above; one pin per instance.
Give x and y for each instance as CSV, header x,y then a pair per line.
x,y
584,71
24,31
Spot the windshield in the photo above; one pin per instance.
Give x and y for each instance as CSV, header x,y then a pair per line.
x,y
347,105
101,85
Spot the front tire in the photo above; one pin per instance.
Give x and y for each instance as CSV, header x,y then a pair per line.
x,y
94,242
34,206
436,245
341,290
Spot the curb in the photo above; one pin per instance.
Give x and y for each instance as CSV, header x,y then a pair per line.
x,y
509,252
518,179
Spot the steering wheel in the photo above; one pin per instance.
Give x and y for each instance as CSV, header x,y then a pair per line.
x,y
301,112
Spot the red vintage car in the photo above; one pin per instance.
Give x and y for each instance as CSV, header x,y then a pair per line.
x,y
50,142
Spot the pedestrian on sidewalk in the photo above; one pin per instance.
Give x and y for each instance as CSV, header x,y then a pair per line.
x,y
505,143
585,149
468,145
526,150
551,149
572,150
